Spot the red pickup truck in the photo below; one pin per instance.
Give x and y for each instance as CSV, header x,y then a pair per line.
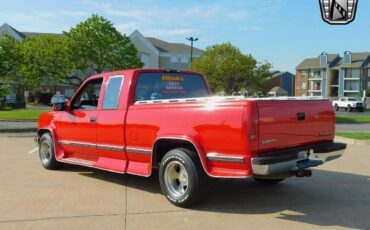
x,y
133,121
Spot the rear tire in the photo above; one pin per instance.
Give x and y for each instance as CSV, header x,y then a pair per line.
x,y
268,181
47,152
182,178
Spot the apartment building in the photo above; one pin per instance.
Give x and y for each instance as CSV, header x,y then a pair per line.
x,y
332,75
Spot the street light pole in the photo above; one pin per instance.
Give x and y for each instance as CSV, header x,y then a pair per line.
x,y
191,39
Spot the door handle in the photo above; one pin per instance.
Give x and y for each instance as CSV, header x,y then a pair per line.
x,y
301,116
92,119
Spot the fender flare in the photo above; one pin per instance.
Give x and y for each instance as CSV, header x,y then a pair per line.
x,y
198,147
56,144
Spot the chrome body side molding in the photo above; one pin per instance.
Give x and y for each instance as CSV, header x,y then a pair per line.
x,y
225,158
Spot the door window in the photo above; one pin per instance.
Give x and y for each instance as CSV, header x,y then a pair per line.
x,y
112,93
88,97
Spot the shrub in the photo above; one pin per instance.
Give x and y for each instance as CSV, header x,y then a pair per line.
x,y
13,105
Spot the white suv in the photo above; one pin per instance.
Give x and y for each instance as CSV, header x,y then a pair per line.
x,y
349,104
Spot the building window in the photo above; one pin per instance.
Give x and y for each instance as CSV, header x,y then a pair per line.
x,y
368,85
304,73
174,59
315,74
368,72
315,85
184,59
353,73
352,85
304,85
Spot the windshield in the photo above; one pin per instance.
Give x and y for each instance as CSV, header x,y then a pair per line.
x,y
351,99
158,86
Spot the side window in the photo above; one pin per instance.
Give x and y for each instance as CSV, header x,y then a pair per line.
x,y
112,92
88,97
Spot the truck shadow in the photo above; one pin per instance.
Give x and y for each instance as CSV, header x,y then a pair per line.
x,y
326,199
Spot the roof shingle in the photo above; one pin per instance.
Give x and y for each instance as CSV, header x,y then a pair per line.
x,y
179,48
314,63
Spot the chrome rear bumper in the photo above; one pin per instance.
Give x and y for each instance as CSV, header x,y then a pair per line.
x,y
295,159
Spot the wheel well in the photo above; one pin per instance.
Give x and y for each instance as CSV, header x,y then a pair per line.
x,y
41,132
162,146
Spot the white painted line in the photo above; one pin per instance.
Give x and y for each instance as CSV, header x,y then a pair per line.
x,y
33,150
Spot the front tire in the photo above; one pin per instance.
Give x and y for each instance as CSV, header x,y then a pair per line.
x,y
349,108
336,107
46,152
182,178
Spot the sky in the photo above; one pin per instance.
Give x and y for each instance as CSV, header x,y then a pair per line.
x,y
282,32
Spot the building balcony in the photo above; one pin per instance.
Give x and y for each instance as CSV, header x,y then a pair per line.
x,y
351,90
314,90
315,78
352,78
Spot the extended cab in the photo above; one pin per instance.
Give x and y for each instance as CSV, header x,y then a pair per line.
x,y
134,121
349,104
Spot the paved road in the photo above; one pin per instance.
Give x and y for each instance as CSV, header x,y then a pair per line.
x,y
336,197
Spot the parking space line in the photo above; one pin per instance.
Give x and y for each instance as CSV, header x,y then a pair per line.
x,y
33,150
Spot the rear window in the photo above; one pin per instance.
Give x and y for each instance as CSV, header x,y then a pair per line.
x,y
159,86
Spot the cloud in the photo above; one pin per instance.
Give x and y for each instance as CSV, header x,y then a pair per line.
x,y
238,15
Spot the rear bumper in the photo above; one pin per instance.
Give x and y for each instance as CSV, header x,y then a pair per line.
x,y
294,159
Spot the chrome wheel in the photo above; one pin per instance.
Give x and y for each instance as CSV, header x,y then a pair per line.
x,y
45,151
176,178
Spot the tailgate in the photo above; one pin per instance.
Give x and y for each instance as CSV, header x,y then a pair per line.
x,y
290,123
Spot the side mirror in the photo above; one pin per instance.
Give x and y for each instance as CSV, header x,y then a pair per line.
x,y
59,102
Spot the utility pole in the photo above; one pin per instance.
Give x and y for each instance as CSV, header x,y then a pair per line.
x,y
191,39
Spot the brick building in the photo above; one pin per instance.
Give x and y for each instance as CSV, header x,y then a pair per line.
x,y
284,80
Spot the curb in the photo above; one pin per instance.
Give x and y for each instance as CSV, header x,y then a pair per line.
x,y
18,120
26,130
350,141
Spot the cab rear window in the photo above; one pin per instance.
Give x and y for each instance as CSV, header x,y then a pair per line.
x,y
159,86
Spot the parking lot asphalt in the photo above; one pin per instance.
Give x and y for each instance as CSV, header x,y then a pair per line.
x,y
337,196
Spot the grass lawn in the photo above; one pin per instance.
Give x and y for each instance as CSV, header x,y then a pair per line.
x,y
355,135
353,119
20,114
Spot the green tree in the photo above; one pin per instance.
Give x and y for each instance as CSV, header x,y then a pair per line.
x,y
10,62
96,44
46,59
228,69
